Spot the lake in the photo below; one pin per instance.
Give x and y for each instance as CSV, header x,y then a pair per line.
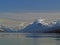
x,y
29,39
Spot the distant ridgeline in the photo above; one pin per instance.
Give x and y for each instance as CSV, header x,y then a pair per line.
x,y
38,26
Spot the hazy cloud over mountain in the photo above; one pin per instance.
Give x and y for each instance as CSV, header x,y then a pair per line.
x,y
30,15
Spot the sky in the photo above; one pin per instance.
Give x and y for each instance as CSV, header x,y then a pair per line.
x,y
9,5
29,9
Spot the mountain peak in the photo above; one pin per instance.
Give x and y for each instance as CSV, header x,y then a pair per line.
x,y
41,21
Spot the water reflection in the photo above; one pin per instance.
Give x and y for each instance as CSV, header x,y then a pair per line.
x,y
29,39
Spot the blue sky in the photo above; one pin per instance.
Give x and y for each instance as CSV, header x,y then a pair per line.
x,y
31,9
13,5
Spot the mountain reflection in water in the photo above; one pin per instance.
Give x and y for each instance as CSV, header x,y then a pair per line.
x,y
29,39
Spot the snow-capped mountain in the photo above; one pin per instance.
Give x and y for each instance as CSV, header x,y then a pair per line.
x,y
39,26
5,29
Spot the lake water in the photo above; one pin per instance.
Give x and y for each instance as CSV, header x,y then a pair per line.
x,y
29,39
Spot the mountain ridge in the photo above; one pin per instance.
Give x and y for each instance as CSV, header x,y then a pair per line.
x,y
39,26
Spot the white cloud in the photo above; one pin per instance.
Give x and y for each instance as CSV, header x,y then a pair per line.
x,y
31,15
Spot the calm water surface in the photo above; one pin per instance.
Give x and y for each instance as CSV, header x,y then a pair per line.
x,y
29,39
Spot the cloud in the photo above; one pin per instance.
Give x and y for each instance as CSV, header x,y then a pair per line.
x,y
31,15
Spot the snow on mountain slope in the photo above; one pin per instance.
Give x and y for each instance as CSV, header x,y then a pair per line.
x,y
39,26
